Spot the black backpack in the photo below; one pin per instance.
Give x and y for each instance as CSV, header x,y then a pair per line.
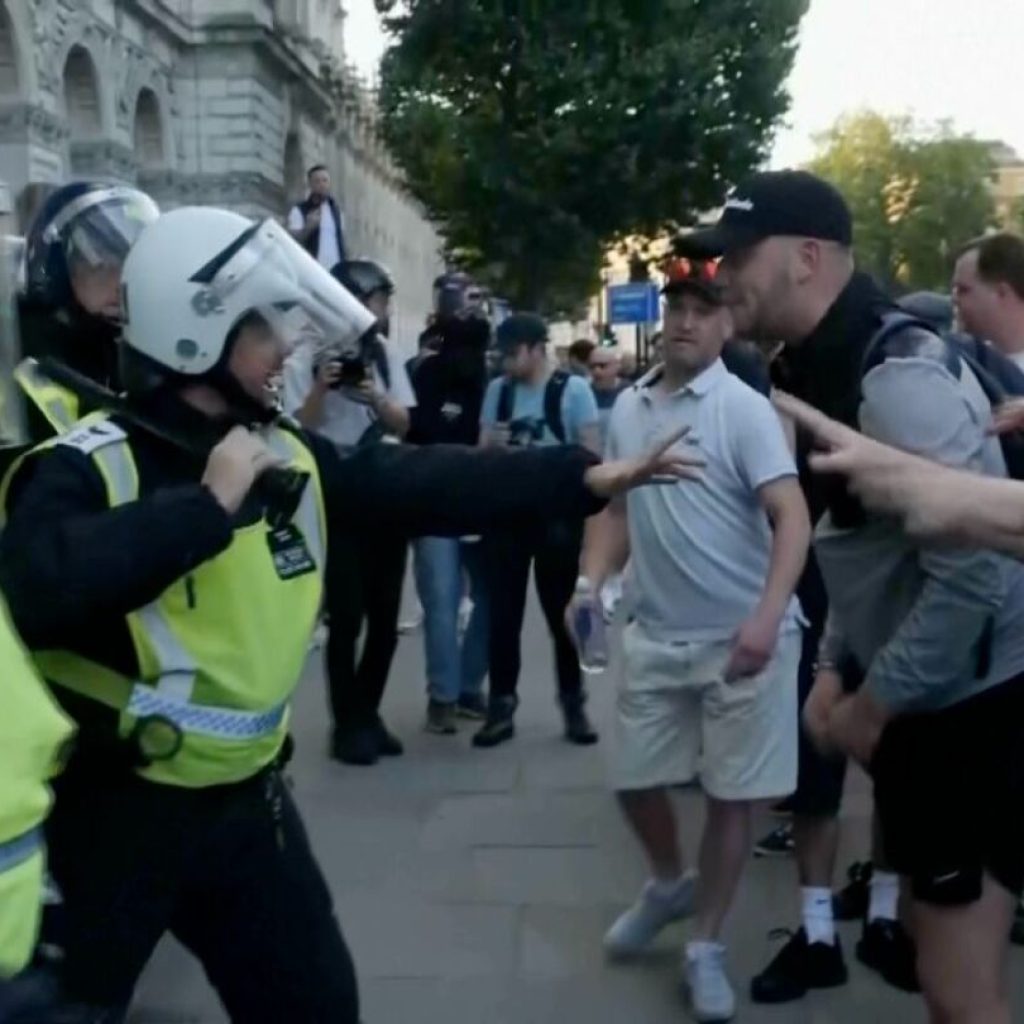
x,y
1000,378
553,392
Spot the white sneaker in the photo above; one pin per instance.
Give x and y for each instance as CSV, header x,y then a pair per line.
x,y
638,926
711,995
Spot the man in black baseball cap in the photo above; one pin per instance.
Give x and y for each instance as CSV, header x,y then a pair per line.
x,y
932,629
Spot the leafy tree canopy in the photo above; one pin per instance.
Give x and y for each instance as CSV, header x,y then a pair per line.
x,y
539,132
916,195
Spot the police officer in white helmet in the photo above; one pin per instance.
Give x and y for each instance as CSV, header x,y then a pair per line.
x,y
168,598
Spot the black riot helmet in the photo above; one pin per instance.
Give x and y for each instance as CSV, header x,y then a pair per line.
x,y
457,295
364,278
77,244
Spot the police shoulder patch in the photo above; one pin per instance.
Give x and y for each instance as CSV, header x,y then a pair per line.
x,y
88,437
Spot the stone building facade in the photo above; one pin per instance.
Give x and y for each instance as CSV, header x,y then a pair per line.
x,y
222,102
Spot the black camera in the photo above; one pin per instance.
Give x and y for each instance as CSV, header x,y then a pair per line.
x,y
352,371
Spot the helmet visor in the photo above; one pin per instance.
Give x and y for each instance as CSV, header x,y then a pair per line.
x,y
99,228
266,271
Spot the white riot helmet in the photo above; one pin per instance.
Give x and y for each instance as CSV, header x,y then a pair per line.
x,y
196,272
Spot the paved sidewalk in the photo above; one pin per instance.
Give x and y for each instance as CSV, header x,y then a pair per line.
x,y
474,886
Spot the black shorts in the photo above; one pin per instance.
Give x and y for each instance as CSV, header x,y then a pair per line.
x,y
949,794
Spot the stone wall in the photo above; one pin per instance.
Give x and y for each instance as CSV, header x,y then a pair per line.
x,y
222,102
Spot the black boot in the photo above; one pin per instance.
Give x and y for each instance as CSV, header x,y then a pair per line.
x,y
578,729
388,744
500,725
355,744
798,967
887,948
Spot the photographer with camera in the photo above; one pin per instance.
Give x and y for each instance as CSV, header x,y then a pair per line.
x,y
354,401
316,223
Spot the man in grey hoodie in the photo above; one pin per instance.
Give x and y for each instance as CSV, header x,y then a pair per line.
x,y
938,631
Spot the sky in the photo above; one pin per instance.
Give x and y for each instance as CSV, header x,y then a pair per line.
x,y
933,59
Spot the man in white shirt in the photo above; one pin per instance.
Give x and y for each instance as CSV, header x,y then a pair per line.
x,y
316,223
710,669
356,402
988,288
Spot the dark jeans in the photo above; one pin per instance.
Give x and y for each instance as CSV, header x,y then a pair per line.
x,y
554,551
228,870
365,575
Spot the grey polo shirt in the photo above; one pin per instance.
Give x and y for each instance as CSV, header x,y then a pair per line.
x,y
701,551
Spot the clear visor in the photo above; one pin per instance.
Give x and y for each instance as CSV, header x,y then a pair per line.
x,y
99,228
266,271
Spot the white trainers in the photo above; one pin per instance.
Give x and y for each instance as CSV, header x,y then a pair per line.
x,y
638,926
711,995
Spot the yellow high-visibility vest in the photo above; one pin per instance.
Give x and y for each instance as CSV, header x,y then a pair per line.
x,y
221,650
33,734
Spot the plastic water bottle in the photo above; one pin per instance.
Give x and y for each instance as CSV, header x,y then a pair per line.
x,y
589,628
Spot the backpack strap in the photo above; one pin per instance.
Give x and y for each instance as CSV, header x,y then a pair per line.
x,y
553,394
885,343
506,400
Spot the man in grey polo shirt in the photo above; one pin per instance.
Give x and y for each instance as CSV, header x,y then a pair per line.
x,y
711,660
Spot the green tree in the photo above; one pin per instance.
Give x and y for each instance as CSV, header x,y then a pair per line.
x,y
916,196
538,132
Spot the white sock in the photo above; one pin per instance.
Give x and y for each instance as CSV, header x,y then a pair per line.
x,y
817,913
885,896
696,950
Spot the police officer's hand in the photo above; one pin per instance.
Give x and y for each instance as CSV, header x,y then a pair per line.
x,y
234,465
667,462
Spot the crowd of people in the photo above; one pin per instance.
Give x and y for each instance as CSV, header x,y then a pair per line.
x,y
808,501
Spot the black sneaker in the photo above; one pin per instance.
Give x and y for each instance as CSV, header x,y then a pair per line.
x,y
578,729
358,745
885,947
1017,931
851,902
500,725
388,744
798,967
778,842
472,706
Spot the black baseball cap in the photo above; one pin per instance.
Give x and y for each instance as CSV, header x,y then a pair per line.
x,y
795,203
520,329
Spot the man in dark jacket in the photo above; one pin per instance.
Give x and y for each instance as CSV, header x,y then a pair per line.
x,y
939,632
317,223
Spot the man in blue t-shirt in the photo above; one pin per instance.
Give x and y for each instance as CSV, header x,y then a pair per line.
x,y
530,406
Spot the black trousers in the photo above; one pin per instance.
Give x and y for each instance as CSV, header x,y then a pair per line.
x,y
228,870
554,552
365,575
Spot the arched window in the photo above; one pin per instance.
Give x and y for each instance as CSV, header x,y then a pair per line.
x,y
148,130
81,94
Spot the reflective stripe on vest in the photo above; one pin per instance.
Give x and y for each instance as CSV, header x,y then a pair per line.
x,y
18,850
57,404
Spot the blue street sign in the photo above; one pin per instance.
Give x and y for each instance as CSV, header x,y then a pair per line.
x,y
633,303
